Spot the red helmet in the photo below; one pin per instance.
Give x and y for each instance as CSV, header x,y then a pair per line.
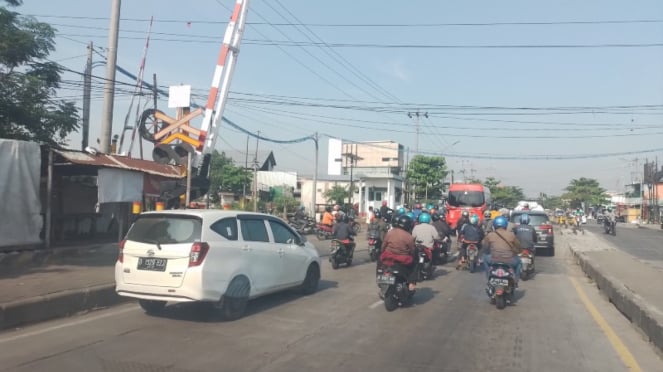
x,y
417,206
384,203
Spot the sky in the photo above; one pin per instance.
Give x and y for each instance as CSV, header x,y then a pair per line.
x,y
498,103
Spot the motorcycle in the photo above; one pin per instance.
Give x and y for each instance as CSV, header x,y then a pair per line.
x,y
425,256
392,281
323,232
501,284
472,259
609,227
356,226
527,259
341,252
578,225
304,227
374,245
441,251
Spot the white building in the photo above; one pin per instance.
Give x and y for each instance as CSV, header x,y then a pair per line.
x,y
375,169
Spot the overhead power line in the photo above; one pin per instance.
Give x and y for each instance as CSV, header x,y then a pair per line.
x,y
304,44
379,25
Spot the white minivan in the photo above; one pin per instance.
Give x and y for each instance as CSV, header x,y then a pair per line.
x,y
220,257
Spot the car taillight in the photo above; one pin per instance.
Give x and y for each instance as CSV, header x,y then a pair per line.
x,y
198,252
547,229
120,251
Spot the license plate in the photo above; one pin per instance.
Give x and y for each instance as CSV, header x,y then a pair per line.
x,y
526,260
152,264
496,281
386,279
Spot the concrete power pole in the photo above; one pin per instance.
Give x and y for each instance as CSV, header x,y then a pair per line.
x,y
315,174
109,91
417,116
87,91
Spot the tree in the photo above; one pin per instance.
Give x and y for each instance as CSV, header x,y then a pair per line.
x,y
337,194
29,109
503,196
226,177
584,190
426,175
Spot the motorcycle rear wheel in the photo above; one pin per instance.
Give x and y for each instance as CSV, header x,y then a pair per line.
x,y
390,301
500,302
321,235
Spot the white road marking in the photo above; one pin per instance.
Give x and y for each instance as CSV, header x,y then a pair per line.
x,y
373,306
68,324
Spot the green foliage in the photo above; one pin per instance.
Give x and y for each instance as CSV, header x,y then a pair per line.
x,y
554,202
503,196
226,177
337,194
29,110
585,190
426,174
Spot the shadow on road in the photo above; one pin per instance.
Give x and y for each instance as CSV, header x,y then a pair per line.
x,y
201,312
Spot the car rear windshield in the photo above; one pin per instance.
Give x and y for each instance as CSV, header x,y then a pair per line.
x,y
165,229
534,219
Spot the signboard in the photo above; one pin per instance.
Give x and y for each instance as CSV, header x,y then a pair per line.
x,y
179,96
334,157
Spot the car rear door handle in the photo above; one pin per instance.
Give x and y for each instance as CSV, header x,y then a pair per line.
x,y
246,248
281,251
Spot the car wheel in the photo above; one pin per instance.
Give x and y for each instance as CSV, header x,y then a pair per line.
x,y
312,279
152,306
236,298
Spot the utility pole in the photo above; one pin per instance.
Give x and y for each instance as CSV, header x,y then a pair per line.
x,y
255,176
315,174
87,90
417,115
109,91
352,157
246,168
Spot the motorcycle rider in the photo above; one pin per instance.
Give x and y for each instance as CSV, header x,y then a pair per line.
x,y
501,245
525,233
343,231
300,216
416,211
609,217
441,225
464,218
469,233
328,217
425,232
399,247
379,226
487,224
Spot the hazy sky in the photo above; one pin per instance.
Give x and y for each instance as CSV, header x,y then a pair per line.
x,y
500,106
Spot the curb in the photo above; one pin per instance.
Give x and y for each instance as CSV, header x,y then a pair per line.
x,y
629,304
40,257
57,305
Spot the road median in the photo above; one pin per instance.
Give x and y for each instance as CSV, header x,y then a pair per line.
x,y
57,305
631,285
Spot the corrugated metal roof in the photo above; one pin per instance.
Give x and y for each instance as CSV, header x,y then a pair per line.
x,y
122,162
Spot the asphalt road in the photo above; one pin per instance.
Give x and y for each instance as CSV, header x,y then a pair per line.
x,y
645,244
344,327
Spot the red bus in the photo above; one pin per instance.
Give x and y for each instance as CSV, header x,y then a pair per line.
x,y
471,197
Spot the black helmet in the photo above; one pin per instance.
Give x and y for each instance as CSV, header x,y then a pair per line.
x,y
377,214
436,217
328,209
404,222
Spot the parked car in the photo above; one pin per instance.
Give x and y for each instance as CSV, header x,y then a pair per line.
x,y
544,230
220,258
